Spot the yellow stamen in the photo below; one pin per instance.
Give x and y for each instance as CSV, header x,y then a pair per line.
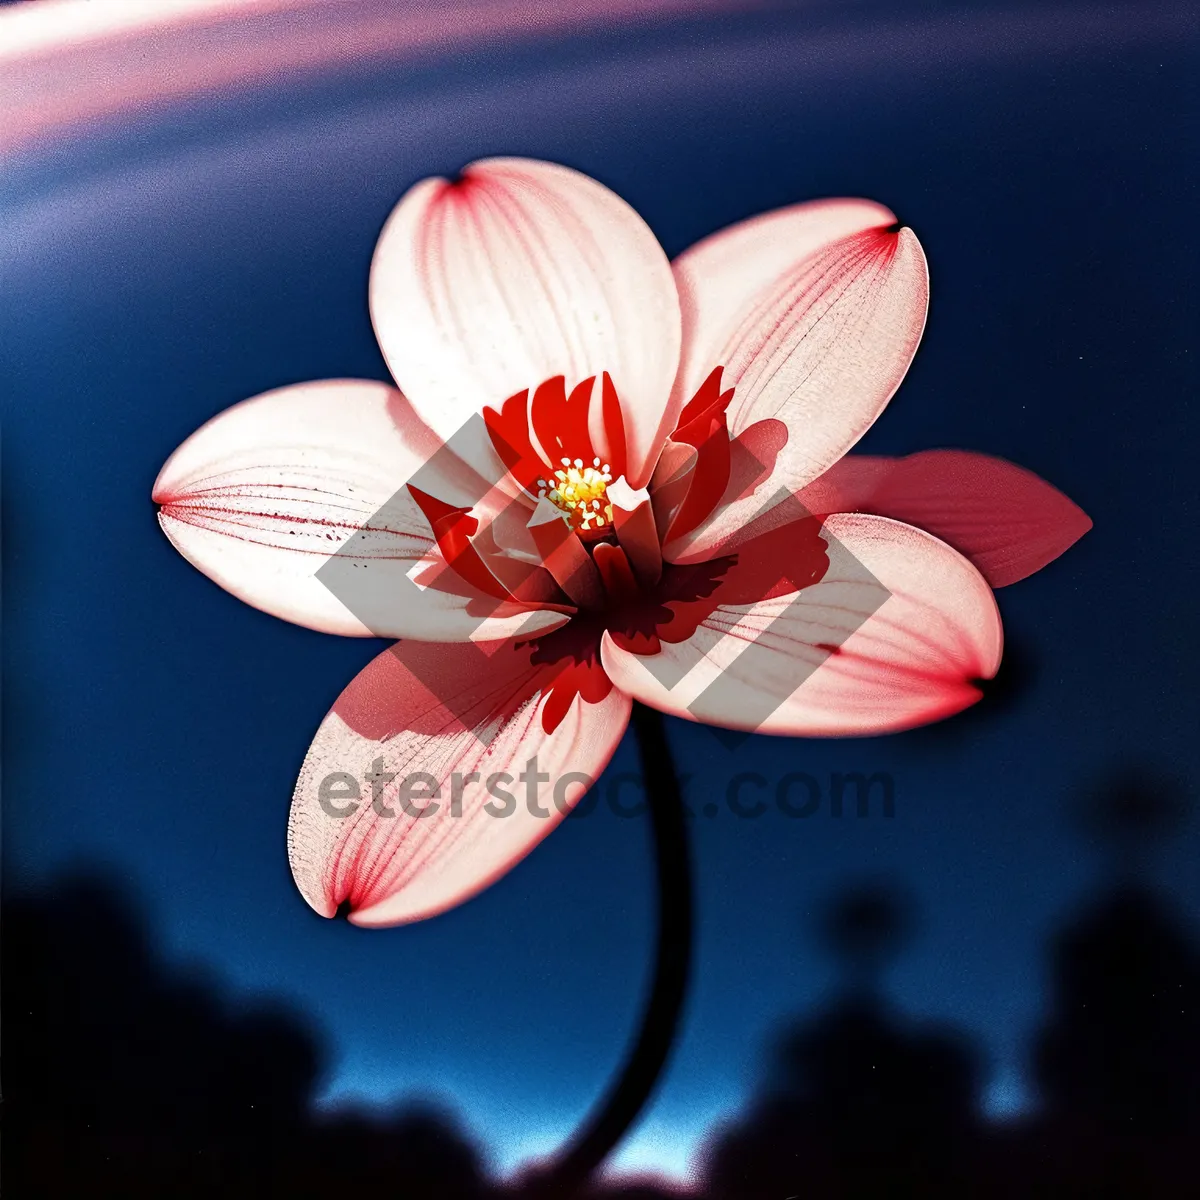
x,y
582,494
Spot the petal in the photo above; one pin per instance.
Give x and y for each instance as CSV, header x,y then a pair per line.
x,y
897,633
814,312
1008,521
517,272
476,749
721,276
296,502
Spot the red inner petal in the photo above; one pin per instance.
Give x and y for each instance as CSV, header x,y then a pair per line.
x,y
776,563
452,529
532,437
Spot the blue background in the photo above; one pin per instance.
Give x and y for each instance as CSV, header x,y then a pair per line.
x,y
152,275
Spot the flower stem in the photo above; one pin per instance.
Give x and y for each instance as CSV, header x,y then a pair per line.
x,y
627,1095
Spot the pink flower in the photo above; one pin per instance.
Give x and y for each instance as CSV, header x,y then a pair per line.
x,y
629,519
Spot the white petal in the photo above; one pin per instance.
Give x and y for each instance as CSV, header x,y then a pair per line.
x,y
451,720
265,495
897,633
814,312
518,272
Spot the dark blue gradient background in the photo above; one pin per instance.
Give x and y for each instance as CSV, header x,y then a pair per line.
x,y
151,276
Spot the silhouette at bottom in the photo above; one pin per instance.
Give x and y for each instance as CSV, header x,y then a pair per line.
x,y
127,1078
861,1102
124,1078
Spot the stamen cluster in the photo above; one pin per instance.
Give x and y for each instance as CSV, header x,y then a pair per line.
x,y
581,493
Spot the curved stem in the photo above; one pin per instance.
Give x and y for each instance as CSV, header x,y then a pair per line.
x,y
607,1124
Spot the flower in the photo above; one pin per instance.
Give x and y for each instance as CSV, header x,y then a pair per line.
x,y
594,485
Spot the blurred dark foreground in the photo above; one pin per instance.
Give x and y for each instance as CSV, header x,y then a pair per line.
x,y
124,1077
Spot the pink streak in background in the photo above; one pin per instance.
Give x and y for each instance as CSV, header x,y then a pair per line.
x,y
67,62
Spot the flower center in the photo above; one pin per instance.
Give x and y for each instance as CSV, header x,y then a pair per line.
x,y
581,493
